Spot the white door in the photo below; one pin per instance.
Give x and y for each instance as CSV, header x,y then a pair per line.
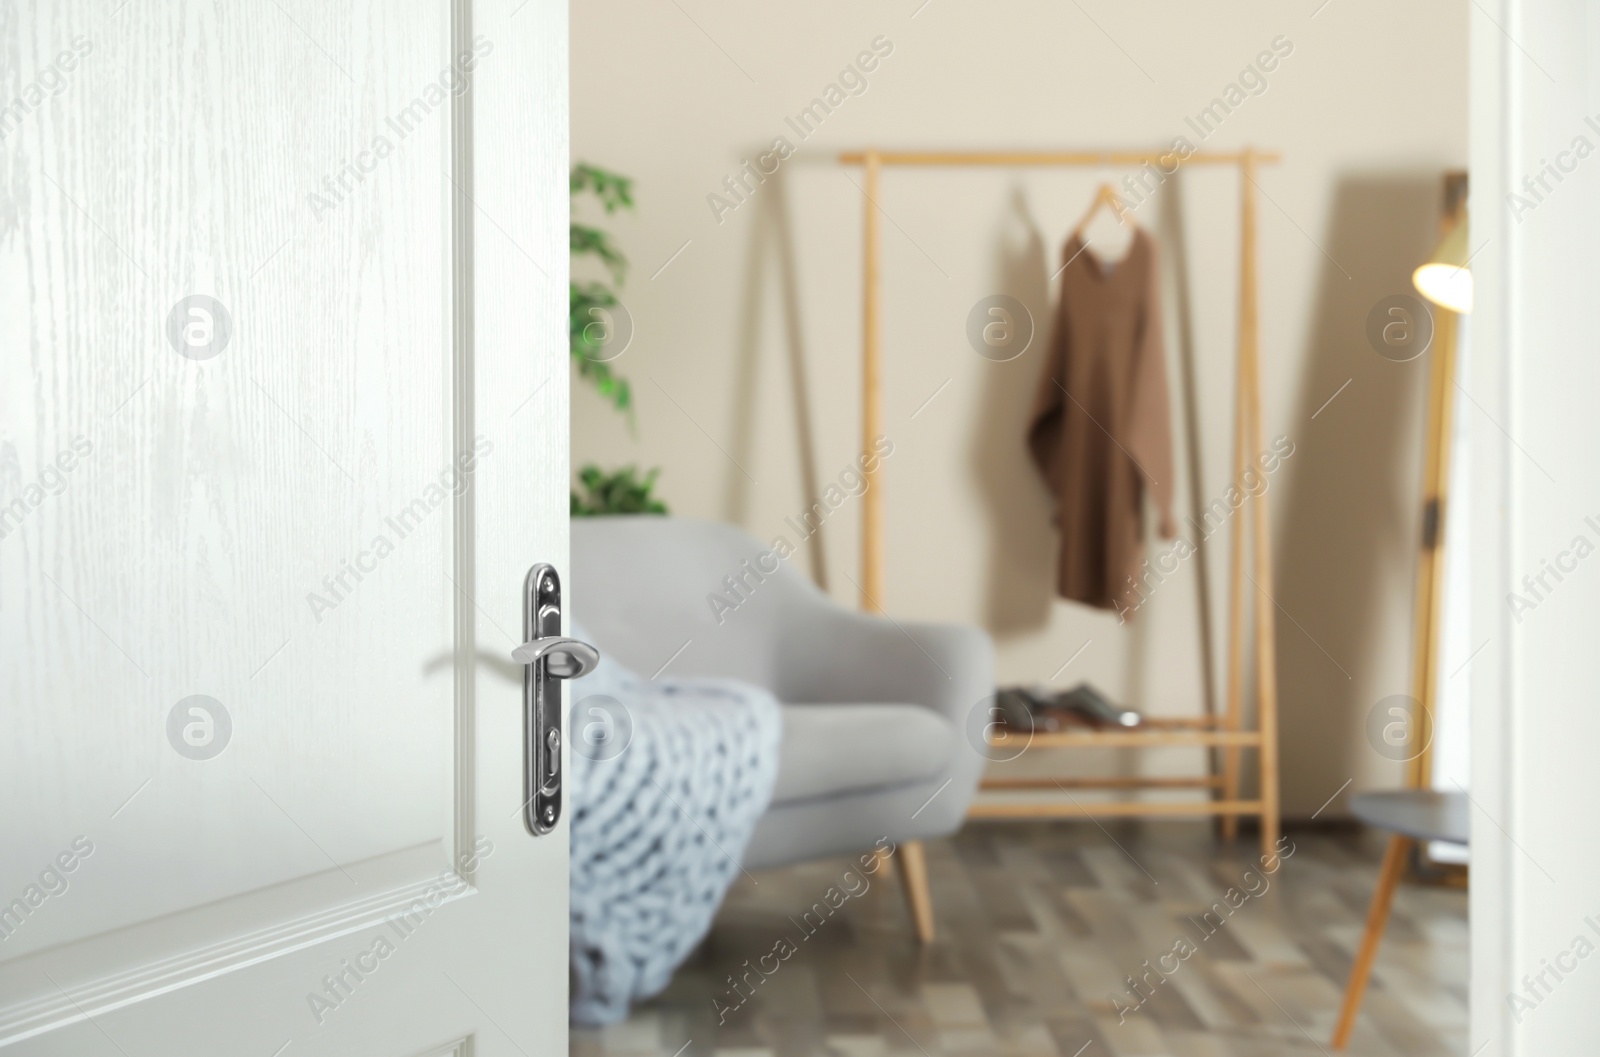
x,y
283,425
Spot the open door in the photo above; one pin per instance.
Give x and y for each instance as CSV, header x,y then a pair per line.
x,y
283,427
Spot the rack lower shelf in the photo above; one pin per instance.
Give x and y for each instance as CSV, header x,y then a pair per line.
x,y
1195,732
1113,809
1204,781
1130,739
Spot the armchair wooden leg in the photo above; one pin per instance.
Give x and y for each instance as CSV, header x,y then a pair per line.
x,y
914,877
1394,867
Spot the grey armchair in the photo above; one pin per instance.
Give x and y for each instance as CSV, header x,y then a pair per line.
x,y
875,712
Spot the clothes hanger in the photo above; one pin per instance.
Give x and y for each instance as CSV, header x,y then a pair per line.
x,y
1105,196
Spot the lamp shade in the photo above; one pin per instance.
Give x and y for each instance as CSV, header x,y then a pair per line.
x,y
1445,279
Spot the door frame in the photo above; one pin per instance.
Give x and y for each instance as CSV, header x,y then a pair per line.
x,y
1533,379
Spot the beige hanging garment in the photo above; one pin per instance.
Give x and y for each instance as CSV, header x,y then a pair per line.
x,y
1100,430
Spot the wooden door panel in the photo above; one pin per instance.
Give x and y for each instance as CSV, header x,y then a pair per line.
x,y
208,543
261,489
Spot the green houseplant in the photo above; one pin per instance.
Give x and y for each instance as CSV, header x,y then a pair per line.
x,y
620,491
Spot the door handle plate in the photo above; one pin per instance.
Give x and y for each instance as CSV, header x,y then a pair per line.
x,y
548,658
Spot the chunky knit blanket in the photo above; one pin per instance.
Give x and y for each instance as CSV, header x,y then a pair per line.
x,y
668,779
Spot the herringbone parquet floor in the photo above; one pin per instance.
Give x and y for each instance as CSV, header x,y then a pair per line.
x,y
1041,925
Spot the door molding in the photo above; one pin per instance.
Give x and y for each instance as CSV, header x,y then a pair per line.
x,y
463,396
202,948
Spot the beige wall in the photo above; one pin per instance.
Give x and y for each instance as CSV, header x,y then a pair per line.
x,y
748,342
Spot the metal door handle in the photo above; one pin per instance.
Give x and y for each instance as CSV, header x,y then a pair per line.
x,y
548,658
563,658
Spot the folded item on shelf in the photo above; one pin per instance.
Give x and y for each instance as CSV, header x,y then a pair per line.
x,y
1094,706
1027,706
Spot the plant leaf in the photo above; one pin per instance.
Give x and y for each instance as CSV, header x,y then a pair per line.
x,y
617,492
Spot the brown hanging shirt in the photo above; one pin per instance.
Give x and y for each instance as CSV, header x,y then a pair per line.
x,y
1100,431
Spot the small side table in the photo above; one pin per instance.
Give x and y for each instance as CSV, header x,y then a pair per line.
x,y
1410,815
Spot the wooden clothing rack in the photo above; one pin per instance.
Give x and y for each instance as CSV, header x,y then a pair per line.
x,y
1225,735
